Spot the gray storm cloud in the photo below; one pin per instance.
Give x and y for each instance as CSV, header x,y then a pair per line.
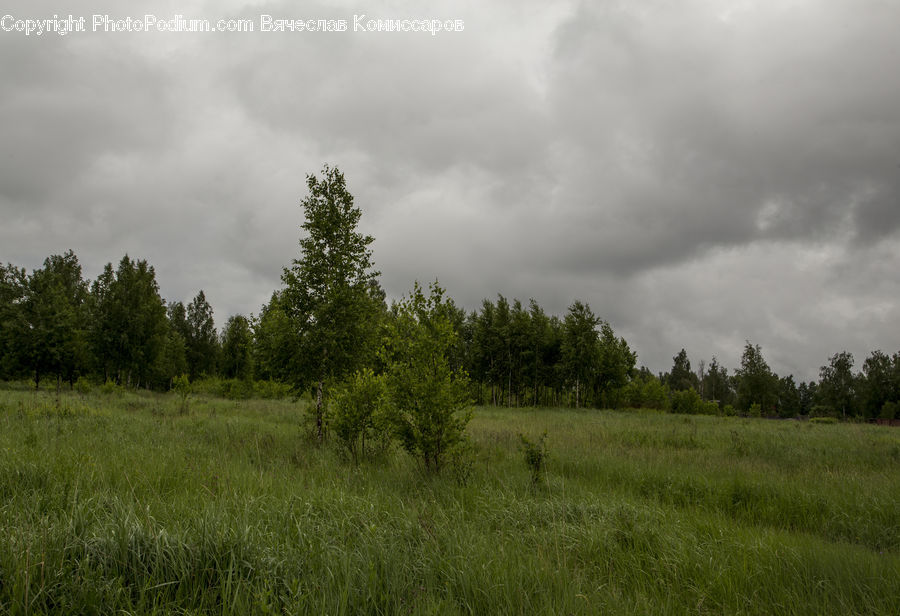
x,y
701,173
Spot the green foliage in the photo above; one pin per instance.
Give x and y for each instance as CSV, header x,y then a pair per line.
x,y
756,384
83,385
878,383
579,348
182,386
820,410
50,332
729,410
201,341
535,453
358,415
837,384
687,401
331,293
429,398
716,384
646,391
788,402
755,410
709,407
237,346
271,390
275,343
110,388
890,410
615,364
682,378
12,322
128,324
171,360
806,395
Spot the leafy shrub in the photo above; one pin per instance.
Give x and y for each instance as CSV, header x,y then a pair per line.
x,y
236,389
110,387
430,407
182,386
687,401
653,394
821,410
709,407
644,392
271,390
535,456
728,410
890,410
209,386
358,416
83,386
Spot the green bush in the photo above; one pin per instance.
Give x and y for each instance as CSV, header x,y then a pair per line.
x,y
209,386
535,456
709,407
109,388
820,410
83,386
890,410
430,407
687,402
358,418
236,389
271,390
182,386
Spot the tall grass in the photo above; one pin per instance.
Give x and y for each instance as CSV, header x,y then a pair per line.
x,y
121,503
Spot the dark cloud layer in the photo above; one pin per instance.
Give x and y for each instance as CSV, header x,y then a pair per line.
x,y
701,172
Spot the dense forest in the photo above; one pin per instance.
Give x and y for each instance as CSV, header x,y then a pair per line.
x,y
330,320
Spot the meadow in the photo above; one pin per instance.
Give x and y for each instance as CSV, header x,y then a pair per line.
x,y
129,503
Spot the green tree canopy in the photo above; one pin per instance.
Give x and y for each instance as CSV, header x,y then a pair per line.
x,y
13,281
579,348
201,343
237,342
328,291
275,342
682,378
54,311
756,384
837,385
128,322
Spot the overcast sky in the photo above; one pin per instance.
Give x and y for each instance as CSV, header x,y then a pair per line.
x,y
700,172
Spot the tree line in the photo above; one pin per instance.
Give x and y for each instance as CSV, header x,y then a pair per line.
x,y
330,321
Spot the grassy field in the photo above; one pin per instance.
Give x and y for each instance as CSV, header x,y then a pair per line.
x,y
119,503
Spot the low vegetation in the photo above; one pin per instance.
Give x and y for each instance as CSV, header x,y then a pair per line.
x,y
120,501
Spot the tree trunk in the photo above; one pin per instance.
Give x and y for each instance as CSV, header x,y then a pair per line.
x,y
320,431
509,386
